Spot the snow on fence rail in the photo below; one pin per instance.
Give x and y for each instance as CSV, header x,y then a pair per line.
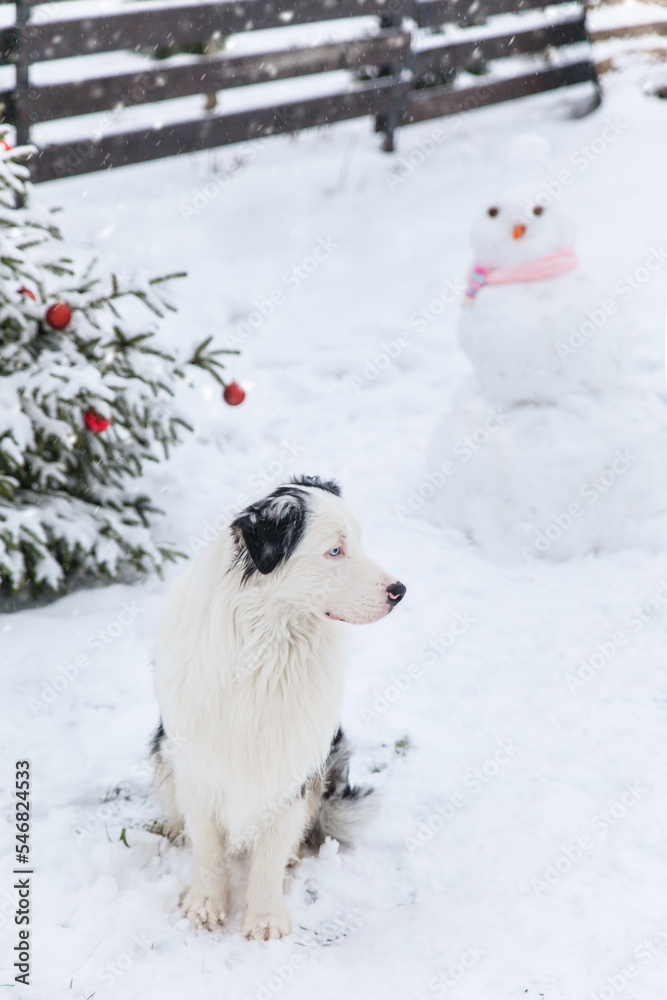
x,y
407,70
623,29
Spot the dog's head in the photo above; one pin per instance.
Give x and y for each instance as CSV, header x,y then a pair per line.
x,y
307,541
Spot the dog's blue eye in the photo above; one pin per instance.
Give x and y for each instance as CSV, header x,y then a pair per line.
x,y
335,551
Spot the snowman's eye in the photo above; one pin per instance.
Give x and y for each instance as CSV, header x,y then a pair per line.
x,y
538,210
493,212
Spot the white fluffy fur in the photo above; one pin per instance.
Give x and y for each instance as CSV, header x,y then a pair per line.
x,y
249,678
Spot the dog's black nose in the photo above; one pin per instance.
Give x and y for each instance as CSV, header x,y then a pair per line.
x,y
395,593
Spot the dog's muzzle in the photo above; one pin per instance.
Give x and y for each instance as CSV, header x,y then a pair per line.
x,y
395,593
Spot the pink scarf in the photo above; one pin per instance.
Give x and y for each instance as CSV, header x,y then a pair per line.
x,y
530,270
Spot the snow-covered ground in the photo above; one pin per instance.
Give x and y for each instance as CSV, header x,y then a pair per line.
x,y
513,717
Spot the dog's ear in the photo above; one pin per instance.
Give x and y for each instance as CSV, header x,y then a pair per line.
x,y
271,528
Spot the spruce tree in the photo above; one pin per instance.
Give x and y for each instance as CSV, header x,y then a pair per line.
x,y
86,400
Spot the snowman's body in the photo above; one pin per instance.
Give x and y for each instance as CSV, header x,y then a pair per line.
x,y
527,343
545,481
573,461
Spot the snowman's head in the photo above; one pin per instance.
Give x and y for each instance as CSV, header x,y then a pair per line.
x,y
521,224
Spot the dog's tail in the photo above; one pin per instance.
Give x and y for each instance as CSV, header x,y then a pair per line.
x,y
337,808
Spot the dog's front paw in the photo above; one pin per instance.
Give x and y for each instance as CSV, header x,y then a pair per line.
x,y
202,910
265,926
174,832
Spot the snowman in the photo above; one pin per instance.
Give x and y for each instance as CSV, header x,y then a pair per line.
x,y
546,451
531,319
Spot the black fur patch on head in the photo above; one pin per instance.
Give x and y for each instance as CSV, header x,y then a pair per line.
x,y
270,529
329,485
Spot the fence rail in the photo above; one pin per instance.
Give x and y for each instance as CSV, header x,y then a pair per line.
x,y
618,34
396,80
96,94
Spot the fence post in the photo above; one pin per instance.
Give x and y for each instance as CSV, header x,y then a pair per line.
x,y
387,122
22,65
22,80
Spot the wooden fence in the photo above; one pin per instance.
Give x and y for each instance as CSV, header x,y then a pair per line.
x,y
639,33
400,74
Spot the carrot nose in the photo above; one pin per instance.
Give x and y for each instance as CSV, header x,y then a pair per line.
x,y
518,232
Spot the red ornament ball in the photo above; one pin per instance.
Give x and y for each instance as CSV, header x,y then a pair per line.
x,y
233,394
4,145
95,422
59,315
26,291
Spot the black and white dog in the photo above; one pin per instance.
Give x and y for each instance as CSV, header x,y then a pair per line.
x,y
249,678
